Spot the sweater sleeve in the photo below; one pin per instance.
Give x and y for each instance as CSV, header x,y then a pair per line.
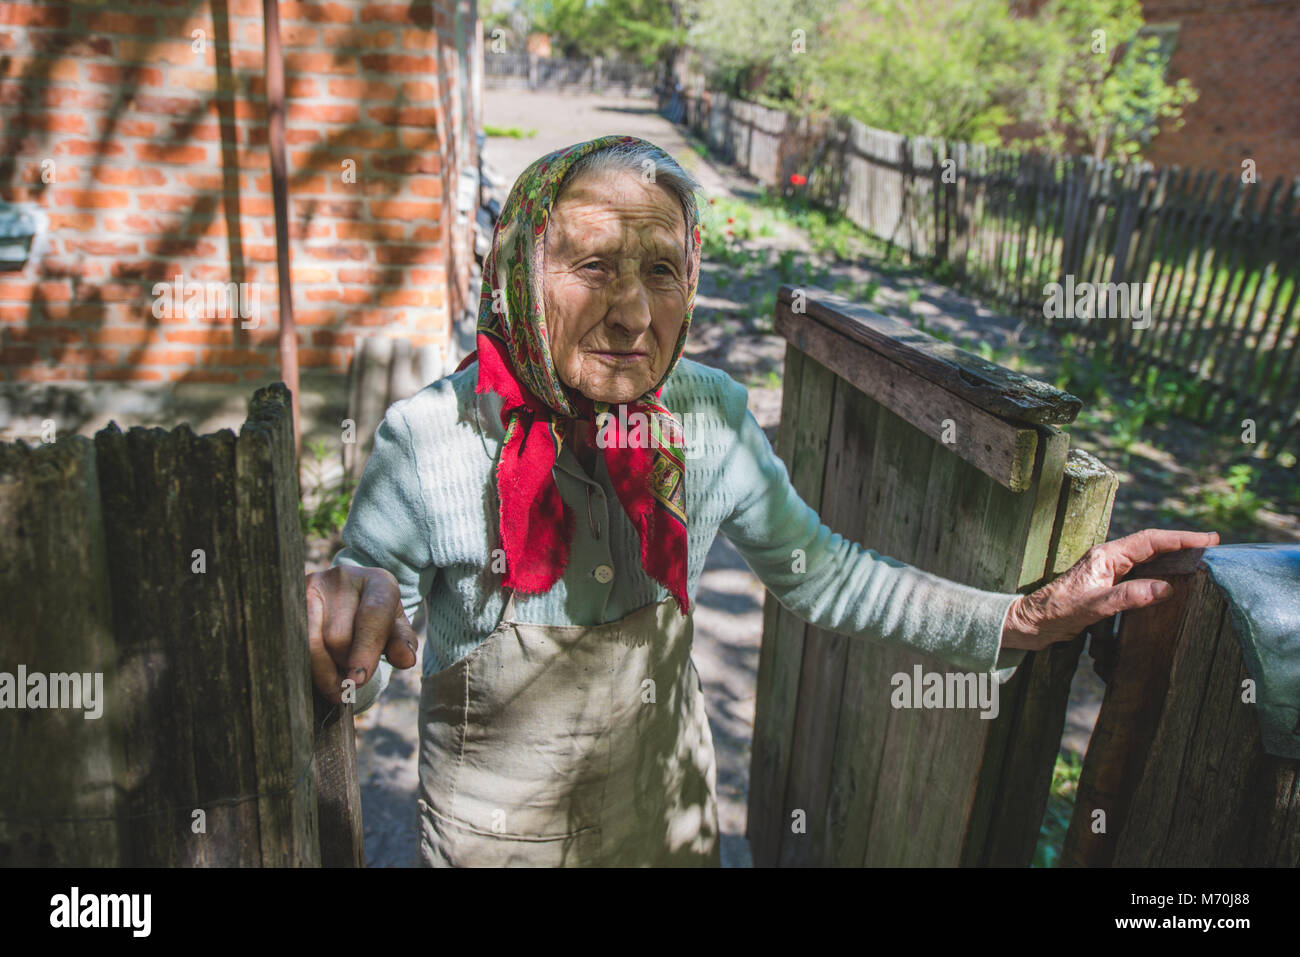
x,y
839,585
387,528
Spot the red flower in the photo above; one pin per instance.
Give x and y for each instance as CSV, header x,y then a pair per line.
x,y
712,200
798,180
731,219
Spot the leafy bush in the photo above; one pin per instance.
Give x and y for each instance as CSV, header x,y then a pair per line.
x,y
1237,506
329,505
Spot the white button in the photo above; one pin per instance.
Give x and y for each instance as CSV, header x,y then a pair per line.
x,y
604,574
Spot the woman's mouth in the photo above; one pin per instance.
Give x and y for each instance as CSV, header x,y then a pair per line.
x,y
619,358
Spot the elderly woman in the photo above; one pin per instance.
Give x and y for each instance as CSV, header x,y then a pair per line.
x,y
559,537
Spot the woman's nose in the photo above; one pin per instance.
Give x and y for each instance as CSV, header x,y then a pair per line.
x,y
629,305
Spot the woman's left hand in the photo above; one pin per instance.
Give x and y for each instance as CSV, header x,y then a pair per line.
x,y
1091,589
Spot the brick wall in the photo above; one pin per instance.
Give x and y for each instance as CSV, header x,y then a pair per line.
x,y
149,158
1244,58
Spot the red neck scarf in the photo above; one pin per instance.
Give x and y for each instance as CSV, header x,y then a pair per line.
x,y
642,444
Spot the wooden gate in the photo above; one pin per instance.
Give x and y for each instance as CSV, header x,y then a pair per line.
x,y
934,457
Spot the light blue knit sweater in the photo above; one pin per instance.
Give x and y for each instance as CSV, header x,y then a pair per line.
x,y
426,509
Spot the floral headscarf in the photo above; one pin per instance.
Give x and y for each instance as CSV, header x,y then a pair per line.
x,y
514,359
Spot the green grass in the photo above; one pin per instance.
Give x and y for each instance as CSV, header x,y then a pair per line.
x,y
513,132
1239,505
1060,808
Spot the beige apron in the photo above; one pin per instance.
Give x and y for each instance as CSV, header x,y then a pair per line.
x,y
570,745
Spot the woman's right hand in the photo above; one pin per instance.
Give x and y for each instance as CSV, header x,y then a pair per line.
x,y
354,615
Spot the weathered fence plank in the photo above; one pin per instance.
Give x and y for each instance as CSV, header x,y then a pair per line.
x,y
186,563
57,620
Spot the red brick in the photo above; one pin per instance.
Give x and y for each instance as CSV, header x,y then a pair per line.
x,y
408,254
422,116
425,186
204,375
50,122
18,355
35,15
362,89
329,337
127,375
59,373
91,198
350,38
408,165
300,112
338,251
314,357
127,126
130,75
315,317
136,176
201,337
176,246
172,204
87,148
102,247
404,210
109,21
370,231
388,63
311,63
171,153
396,13
235,357
317,12
88,356
119,336
159,357
72,220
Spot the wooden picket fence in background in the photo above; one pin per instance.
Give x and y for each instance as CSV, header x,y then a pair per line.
x,y
172,564
1218,259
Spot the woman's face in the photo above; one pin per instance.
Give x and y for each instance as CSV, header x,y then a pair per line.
x,y
614,283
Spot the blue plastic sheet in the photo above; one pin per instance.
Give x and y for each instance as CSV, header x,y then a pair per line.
x,y
1262,586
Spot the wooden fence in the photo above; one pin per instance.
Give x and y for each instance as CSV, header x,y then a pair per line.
x,y
935,457
1003,505
171,565
1215,260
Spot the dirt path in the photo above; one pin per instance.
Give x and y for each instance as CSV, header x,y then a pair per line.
x,y
730,334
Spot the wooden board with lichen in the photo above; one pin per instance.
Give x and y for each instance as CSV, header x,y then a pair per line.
x,y
985,385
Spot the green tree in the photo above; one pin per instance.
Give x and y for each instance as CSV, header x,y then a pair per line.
x,y
950,68
771,51
1102,80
